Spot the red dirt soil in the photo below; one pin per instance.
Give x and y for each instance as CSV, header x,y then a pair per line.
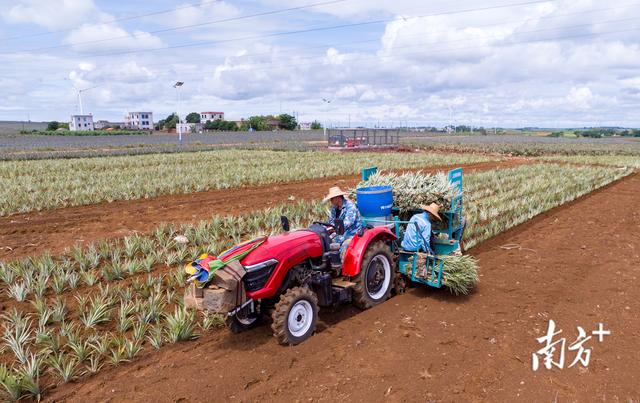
x,y
577,264
33,233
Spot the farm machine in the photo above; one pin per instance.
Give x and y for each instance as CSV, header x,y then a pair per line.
x,y
293,274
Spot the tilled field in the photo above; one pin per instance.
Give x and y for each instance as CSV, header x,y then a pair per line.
x,y
137,283
577,265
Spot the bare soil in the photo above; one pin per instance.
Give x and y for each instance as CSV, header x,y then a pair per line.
x,y
54,230
578,264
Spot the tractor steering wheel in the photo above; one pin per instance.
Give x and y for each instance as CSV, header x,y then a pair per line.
x,y
324,224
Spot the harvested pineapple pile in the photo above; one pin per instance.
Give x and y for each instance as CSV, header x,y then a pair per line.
x,y
459,273
411,189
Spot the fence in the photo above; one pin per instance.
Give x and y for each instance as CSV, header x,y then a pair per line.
x,y
363,138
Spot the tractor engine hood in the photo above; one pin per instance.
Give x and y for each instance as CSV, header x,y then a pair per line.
x,y
268,264
290,247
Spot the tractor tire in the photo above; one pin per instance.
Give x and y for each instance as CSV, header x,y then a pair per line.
x,y
243,321
376,277
295,316
400,283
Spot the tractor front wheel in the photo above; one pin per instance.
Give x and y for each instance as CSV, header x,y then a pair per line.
x,y
295,316
375,280
243,320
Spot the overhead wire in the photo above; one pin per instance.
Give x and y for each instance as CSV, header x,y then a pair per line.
x,y
421,35
113,21
300,31
272,66
182,27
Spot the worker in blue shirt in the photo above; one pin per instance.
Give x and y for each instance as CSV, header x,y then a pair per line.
x,y
345,210
417,236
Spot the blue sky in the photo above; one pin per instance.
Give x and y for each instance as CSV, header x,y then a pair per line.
x,y
502,62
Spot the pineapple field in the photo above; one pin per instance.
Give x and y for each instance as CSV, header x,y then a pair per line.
x,y
91,279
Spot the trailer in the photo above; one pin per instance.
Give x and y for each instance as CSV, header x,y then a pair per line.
x,y
417,266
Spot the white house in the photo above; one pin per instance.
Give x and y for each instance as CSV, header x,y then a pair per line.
x,y
304,125
139,120
81,122
187,128
102,124
204,116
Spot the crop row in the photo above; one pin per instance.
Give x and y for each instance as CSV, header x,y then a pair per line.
x,y
47,184
518,194
105,304
632,161
522,146
101,305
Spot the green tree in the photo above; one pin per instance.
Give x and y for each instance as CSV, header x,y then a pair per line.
x,y
170,121
193,117
287,122
220,125
255,123
53,125
315,125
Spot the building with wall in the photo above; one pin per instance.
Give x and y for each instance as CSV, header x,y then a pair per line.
x,y
304,125
204,116
105,124
81,122
187,128
139,120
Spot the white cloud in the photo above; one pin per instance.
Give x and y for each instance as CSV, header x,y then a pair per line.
x,y
51,14
580,97
109,37
334,57
188,14
490,66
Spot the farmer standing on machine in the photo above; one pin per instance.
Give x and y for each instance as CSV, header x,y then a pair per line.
x,y
417,237
345,210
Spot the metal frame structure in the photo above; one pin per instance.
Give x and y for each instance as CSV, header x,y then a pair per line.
x,y
433,270
352,139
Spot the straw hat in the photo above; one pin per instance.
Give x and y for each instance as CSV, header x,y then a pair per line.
x,y
334,192
432,208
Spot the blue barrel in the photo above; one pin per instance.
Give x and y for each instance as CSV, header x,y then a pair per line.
x,y
375,201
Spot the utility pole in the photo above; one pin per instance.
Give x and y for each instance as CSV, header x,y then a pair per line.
x,y
177,86
324,126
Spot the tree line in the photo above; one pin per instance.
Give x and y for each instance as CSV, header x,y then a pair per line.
x,y
259,122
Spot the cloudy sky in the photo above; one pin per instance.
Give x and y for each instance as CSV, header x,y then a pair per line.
x,y
500,62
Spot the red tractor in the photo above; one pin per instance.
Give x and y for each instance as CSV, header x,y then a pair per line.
x,y
294,273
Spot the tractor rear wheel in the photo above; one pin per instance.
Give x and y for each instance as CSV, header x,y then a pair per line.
x,y
375,280
295,316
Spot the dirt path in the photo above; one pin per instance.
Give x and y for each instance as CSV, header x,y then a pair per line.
x,y
575,265
53,230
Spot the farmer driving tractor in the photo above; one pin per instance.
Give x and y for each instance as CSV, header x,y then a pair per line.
x,y
417,237
345,210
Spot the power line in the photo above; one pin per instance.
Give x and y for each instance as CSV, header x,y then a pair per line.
x,y
456,40
133,17
378,57
143,34
318,29
377,40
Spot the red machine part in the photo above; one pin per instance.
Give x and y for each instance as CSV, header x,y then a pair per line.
x,y
288,249
358,246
